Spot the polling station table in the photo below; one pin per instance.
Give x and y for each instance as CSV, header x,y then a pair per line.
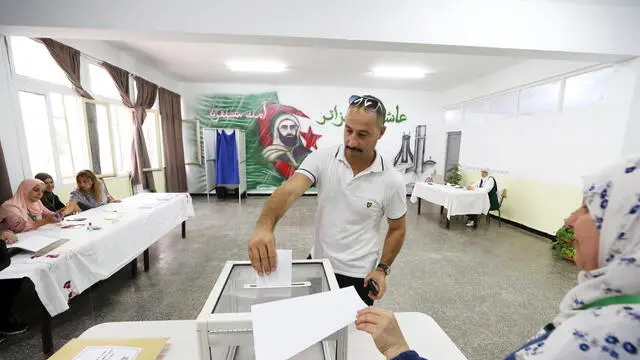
x,y
86,256
457,201
422,333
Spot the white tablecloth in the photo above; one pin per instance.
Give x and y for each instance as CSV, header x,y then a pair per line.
x,y
92,256
422,333
456,201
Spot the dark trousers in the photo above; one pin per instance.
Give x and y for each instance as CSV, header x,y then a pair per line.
x,y
9,290
473,217
357,283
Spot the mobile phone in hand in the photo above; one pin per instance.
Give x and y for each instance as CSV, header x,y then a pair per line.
x,y
373,287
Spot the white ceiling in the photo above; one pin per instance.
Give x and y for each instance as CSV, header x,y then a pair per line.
x,y
204,62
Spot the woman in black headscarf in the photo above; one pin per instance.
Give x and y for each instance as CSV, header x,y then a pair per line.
x,y
50,200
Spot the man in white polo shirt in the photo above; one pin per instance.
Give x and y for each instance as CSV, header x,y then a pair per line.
x,y
356,188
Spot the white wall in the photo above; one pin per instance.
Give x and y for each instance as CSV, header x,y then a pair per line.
x,y
632,136
420,107
556,147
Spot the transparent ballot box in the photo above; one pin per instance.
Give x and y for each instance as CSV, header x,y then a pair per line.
x,y
224,325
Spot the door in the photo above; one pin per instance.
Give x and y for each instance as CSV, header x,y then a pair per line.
x,y
453,149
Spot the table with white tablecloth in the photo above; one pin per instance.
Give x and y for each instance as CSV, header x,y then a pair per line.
x,y
457,201
126,230
422,333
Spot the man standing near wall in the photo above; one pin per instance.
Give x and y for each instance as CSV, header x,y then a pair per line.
x,y
356,187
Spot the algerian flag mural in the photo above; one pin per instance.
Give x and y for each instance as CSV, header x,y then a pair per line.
x,y
278,137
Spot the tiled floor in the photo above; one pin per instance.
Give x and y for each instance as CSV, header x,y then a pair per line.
x,y
489,288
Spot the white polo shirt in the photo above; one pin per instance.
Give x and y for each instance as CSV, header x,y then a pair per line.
x,y
350,209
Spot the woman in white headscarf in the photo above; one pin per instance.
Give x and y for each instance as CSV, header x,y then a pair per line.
x,y
600,317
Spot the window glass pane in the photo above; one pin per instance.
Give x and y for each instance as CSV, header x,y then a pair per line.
x,y
587,89
150,130
475,111
32,59
453,116
57,106
101,82
74,113
36,127
122,122
503,106
540,99
106,159
65,157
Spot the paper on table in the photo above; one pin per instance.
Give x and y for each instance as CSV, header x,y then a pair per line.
x,y
283,274
32,242
281,328
108,353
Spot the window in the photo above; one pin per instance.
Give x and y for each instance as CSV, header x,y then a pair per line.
x,y
36,127
70,135
587,89
121,128
453,115
152,138
101,83
540,99
32,59
503,106
475,111
104,134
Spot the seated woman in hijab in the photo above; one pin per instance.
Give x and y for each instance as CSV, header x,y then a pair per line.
x,y
600,317
24,211
50,200
90,193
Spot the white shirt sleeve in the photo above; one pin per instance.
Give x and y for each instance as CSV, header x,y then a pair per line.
x,y
488,185
396,202
312,165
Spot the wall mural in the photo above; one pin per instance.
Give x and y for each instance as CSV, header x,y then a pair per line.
x,y
279,137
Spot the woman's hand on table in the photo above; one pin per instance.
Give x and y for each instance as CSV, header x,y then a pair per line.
x,y
384,328
8,236
53,218
469,187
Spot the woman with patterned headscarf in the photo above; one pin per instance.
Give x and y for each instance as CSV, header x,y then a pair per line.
x,y
600,317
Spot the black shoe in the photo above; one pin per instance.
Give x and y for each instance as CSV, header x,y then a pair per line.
x,y
2,338
13,328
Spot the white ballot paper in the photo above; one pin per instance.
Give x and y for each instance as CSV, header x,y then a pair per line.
x,y
282,275
108,353
282,329
32,242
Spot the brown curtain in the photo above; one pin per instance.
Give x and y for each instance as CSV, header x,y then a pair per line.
x,y
5,185
171,115
121,78
68,59
147,93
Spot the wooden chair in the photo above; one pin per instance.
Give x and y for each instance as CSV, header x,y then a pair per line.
x,y
503,195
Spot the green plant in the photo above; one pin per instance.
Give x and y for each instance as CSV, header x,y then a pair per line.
x,y
454,175
563,244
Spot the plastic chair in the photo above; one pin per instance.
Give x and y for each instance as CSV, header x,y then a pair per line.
x,y
503,195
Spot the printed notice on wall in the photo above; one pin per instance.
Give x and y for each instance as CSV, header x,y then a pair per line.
x,y
108,353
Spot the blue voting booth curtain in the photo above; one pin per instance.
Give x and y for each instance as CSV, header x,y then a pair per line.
x,y
226,158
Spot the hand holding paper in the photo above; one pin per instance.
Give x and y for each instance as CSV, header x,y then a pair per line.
x,y
282,275
281,329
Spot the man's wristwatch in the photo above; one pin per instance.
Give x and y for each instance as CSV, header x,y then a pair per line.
x,y
386,268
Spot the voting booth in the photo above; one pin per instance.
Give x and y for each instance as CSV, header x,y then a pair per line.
x,y
224,326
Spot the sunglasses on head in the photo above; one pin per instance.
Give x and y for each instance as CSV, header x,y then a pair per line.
x,y
367,103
